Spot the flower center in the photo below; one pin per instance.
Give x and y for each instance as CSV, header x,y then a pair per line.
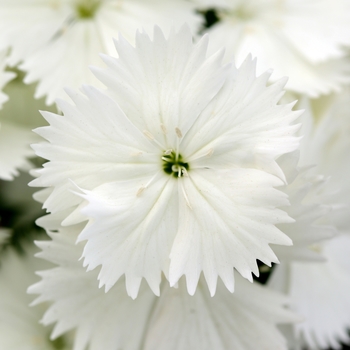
x,y
87,8
173,164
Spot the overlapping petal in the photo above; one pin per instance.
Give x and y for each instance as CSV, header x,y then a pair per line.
x,y
101,145
175,320
226,220
163,82
134,234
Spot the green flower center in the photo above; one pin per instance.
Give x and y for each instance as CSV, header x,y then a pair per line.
x,y
87,8
173,164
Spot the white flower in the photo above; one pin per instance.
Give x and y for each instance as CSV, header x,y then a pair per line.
x,y
17,119
326,126
308,195
177,163
301,39
319,291
14,150
5,77
174,321
19,323
57,39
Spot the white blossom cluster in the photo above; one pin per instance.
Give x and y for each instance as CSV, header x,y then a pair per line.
x,y
192,158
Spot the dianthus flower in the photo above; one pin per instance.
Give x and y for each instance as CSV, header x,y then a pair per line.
x,y
246,319
174,166
55,40
17,119
19,323
301,39
319,289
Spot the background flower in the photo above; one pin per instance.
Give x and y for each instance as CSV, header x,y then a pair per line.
x,y
175,320
319,290
309,207
326,144
5,77
17,119
19,323
56,40
303,40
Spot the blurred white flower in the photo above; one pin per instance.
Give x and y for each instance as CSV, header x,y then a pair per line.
x,y
14,150
5,76
326,144
58,39
17,119
19,323
301,39
179,163
319,291
308,195
244,320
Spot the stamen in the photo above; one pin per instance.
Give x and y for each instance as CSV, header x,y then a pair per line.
x,y
186,198
162,126
148,134
152,138
176,169
178,133
135,154
179,136
140,190
172,166
208,154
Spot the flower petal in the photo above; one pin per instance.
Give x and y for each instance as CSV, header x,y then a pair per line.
x,y
133,233
226,221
